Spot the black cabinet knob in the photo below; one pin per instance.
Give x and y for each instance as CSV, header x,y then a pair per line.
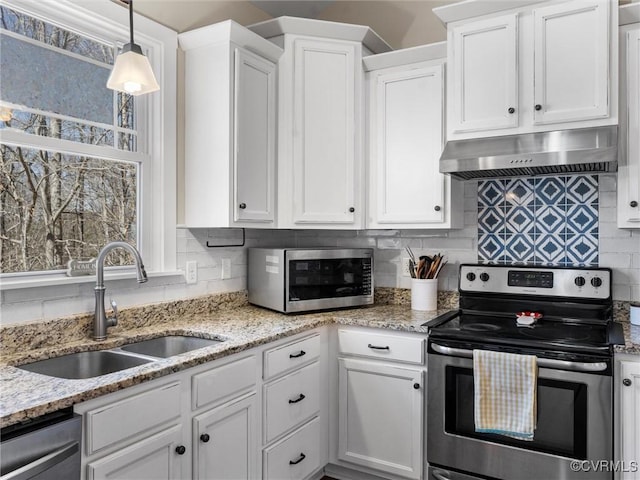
x,y
351,209
437,208
633,204
579,281
538,107
511,110
416,386
180,449
243,206
626,382
204,438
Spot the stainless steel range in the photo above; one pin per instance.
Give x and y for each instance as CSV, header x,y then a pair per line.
x,y
573,340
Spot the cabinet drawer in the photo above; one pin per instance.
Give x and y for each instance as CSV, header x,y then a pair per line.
x,y
387,347
291,400
118,421
294,457
222,382
291,355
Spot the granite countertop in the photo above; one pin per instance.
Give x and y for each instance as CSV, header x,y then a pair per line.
x,y
26,395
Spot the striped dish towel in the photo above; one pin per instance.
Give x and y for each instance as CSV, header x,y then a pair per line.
x,y
505,393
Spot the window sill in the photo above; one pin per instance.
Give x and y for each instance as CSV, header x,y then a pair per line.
x,y
56,280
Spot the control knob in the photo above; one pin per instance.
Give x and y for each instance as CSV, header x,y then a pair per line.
x,y
471,276
484,276
596,282
579,281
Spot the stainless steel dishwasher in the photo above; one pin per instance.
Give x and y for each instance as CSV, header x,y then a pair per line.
x,y
45,448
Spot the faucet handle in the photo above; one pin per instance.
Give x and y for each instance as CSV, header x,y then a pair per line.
x,y
113,321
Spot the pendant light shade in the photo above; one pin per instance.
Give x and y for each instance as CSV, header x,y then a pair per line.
x,y
132,71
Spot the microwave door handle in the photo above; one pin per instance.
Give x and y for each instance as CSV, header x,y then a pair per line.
x,y
43,464
542,362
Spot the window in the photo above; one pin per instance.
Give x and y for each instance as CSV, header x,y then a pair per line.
x,y
82,165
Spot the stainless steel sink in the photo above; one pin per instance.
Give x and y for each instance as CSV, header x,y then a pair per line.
x,y
85,364
164,347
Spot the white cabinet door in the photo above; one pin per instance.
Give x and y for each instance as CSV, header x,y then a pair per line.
x,y
485,75
326,164
630,418
406,143
226,442
571,50
380,416
629,164
156,457
229,127
254,138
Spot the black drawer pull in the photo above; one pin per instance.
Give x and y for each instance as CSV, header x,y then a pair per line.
x,y
378,348
298,355
299,399
180,449
295,462
204,438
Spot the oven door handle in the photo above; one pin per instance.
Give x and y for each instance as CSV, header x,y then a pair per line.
x,y
542,362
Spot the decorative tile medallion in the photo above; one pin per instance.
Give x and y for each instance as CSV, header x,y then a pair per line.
x,y
539,221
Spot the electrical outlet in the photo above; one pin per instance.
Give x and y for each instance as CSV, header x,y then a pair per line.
x,y
226,269
191,272
405,267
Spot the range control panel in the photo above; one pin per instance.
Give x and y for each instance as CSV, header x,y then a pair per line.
x,y
584,283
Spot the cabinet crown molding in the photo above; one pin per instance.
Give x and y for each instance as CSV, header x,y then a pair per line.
x,y
321,28
629,14
406,56
475,8
229,31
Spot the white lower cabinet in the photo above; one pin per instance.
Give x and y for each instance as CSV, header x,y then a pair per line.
x,y
207,422
154,458
227,441
296,456
379,429
294,409
629,418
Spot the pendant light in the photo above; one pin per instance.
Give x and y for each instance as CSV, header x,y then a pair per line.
x,y
132,71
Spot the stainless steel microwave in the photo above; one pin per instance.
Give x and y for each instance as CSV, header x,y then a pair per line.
x,y
304,279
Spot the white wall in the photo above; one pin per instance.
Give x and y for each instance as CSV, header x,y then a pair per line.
x,y
619,249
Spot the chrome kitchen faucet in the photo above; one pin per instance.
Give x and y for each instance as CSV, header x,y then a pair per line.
x,y
100,320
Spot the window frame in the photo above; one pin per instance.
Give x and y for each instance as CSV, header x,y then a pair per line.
x,y
104,20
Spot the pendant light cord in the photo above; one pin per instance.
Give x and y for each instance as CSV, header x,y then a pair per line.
x,y
131,20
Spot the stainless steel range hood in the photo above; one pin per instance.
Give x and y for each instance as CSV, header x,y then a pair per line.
x,y
561,152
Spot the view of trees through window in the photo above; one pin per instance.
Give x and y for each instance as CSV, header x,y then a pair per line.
x,y
57,202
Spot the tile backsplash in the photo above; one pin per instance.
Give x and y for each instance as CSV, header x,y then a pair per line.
x,y
539,221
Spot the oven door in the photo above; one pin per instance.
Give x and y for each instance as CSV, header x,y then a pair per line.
x,y
573,423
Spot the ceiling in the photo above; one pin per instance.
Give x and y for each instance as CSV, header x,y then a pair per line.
x,y
301,8
401,23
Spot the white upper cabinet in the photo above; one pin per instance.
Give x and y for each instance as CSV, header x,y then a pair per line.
x,y
321,174
629,149
485,82
406,136
230,127
571,50
538,67
326,167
